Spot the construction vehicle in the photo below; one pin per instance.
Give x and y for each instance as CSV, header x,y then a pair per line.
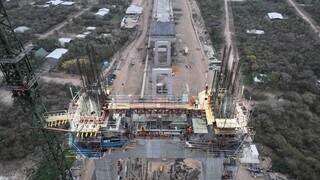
x,y
186,51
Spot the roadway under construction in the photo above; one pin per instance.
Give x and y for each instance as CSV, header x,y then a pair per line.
x,y
111,128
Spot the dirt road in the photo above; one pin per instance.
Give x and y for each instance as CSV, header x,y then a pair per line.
x,y
62,24
305,16
190,70
129,77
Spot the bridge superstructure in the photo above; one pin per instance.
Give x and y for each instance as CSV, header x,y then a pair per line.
x,y
91,124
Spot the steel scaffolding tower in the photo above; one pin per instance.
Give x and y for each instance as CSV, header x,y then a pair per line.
x,y
21,80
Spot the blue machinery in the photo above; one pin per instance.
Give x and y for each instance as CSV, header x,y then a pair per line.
x,y
95,149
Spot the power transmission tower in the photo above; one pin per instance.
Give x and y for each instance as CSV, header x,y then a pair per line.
x,y
21,80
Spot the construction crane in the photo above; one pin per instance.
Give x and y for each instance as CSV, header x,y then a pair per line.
x,y
21,80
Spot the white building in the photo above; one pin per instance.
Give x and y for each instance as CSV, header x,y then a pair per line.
x,y
275,15
21,29
91,28
255,31
81,36
134,10
57,54
67,3
64,41
54,2
102,12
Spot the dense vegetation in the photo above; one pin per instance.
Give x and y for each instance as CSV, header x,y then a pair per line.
x,y
39,19
312,7
16,139
212,13
287,113
106,39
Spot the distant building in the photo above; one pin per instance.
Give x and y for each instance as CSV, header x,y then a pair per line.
x,y
64,41
57,54
54,2
275,15
87,33
67,3
91,28
260,78
134,10
21,29
102,12
40,54
81,36
255,31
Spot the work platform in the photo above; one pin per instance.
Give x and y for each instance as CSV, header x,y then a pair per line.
x,y
85,124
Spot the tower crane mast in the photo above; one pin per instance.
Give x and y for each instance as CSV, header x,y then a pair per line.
x,y
21,80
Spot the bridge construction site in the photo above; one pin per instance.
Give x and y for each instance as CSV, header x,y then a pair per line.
x,y
173,107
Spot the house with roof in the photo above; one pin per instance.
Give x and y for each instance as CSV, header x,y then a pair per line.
x,y
56,55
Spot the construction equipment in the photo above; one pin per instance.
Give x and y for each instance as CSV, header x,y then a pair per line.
x,y
21,80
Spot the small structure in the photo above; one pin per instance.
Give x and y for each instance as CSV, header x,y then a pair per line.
x,y
21,29
40,54
91,28
64,41
87,33
57,54
250,155
134,10
102,12
129,21
81,36
67,3
55,2
260,78
255,31
275,15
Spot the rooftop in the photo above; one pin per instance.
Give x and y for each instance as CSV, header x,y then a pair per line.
x,y
102,12
21,29
57,53
275,15
134,9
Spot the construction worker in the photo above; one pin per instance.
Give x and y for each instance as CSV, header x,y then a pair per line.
x,y
207,88
188,132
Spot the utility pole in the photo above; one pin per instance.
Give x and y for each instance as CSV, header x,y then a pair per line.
x,y
21,80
